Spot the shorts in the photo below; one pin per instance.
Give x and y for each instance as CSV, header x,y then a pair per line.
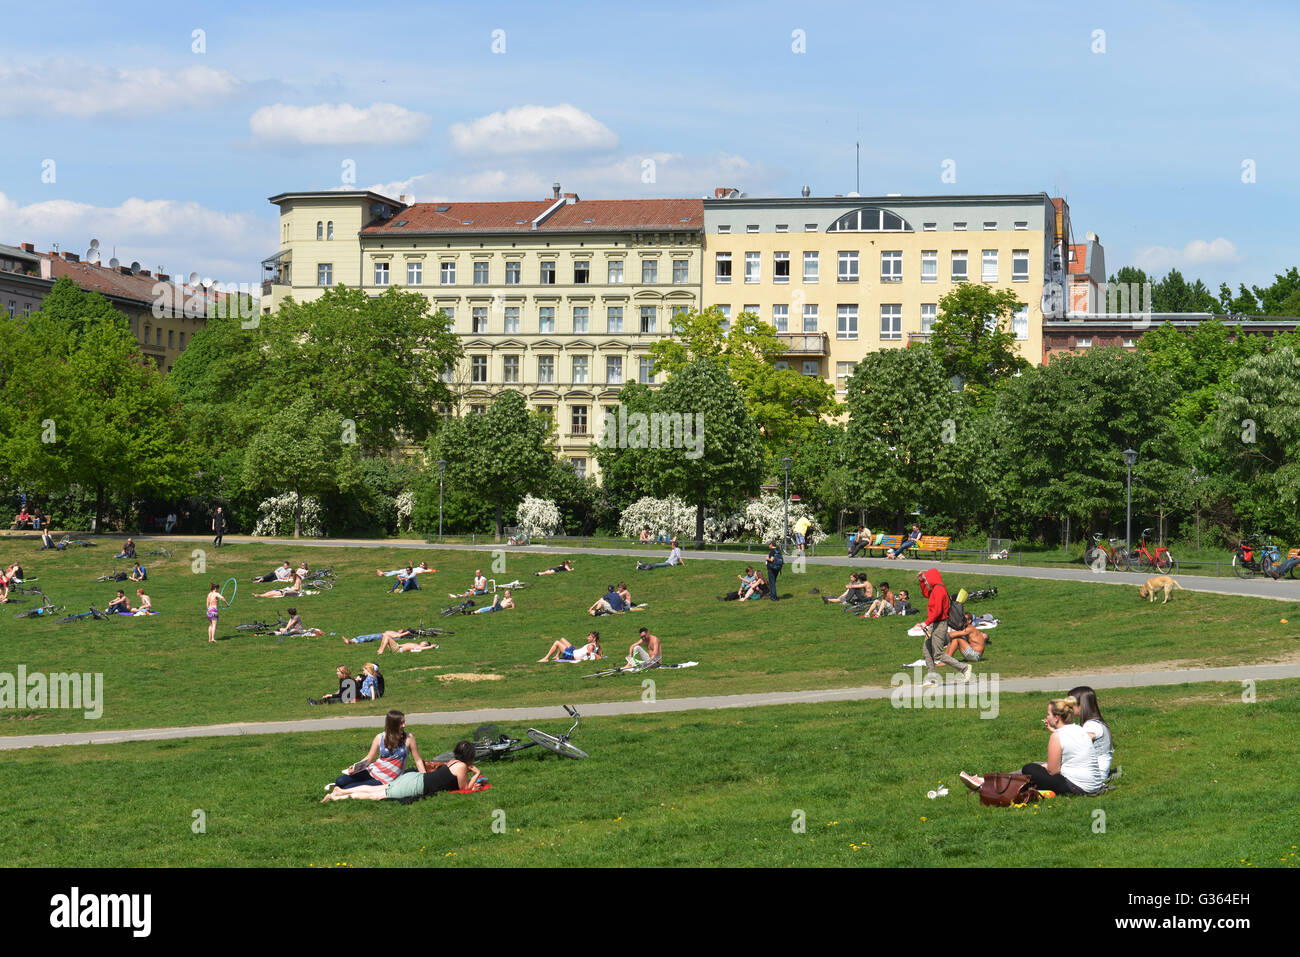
x,y
567,654
212,614
970,654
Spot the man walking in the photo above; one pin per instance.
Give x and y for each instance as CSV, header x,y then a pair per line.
x,y
936,627
774,562
218,526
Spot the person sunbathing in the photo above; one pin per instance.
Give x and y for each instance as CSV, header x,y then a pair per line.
x,y
498,604
857,592
406,646
146,603
379,636
282,574
480,586
458,774
565,650
565,566
611,603
292,590
884,603
419,569
120,603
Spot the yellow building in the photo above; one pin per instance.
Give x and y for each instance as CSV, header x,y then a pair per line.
x,y
559,299
843,276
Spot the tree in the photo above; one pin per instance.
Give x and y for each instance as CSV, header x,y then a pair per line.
x,y
501,454
786,404
973,336
1282,296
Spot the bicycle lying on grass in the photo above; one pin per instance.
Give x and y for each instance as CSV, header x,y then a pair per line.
x,y
83,615
262,627
159,552
464,608
491,745
74,541
46,607
422,632
113,577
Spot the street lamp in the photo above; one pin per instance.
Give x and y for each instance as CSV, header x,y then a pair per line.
x,y
1130,459
786,502
442,469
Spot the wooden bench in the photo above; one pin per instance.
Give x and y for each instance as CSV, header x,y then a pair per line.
x,y
883,543
936,544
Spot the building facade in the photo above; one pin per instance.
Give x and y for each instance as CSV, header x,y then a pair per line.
x,y
559,299
843,276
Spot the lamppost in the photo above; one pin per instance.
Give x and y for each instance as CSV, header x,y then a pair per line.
x,y
786,502
442,469
1130,459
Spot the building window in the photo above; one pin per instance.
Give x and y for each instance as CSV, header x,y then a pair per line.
x,y
1022,224
414,273
510,369
615,272
753,267
891,322
843,372
1020,323
614,370
548,273
478,320
580,370
990,271
848,265
780,267
513,269
869,220
725,325
959,227
182,342
450,313
681,270
512,320
170,341
649,270
645,372
381,274
811,367
929,265
581,272
990,225
647,319
546,320
929,312
724,228
723,273
478,369
781,318
447,273
547,410
329,229
477,409
1084,342
752,228
959,265
320,230
481,273
614,318
782,227
809,318
1129,343
579,467
891,265
325,274
159,342
810,267
810,227
781,364
580,319
846,322
578,420
929,227
1020,265
545,370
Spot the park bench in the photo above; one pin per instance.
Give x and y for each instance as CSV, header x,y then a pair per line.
x,y
514,536
935,544
885,542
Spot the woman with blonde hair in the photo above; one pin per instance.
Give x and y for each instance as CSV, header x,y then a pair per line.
x,y
1071,766
370,683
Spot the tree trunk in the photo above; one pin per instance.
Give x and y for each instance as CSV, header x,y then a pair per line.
x,y
500,519
699,525
98,523
297,514
1198,527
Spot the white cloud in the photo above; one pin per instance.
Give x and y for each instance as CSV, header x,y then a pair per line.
x,y
533,129
331,124
72,88
1196,253
180,235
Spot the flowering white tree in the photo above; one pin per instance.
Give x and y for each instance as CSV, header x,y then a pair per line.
x,y
672,516
405,506
538,517
764,519
275,516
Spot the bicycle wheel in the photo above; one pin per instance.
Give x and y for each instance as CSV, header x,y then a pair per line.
x,y
29,613
322,585
448,612
1240,568
558,745
1165,562
1123,561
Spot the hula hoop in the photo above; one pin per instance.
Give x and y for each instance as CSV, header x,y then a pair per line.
x,y
234,589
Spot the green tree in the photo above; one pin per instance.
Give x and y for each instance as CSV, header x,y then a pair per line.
x,y
973,336
1282,295
501,455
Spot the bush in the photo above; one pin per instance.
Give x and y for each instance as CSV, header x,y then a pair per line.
x,y
537,517
275,516
763,519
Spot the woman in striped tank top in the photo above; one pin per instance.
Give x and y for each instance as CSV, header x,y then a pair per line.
x,y
386,758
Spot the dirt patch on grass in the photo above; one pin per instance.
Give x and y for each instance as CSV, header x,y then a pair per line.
x,y
455,676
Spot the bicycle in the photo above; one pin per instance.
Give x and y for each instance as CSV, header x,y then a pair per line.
x,y
261,627
83,615
113,577
422,632
491,745
1251,559
65,542
462,609
1099,556
1161,560
41,610
158,552
319,584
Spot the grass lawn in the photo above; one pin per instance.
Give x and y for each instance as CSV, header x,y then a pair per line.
x,y
161,670
1208,781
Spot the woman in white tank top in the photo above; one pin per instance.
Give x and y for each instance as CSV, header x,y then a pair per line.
x,y
1071,765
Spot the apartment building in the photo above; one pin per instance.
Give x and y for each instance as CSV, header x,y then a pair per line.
x,y
559,299
843,276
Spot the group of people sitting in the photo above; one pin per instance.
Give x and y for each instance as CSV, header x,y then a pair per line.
x,y
13,575
369,688
616,600
861,598
1079,756
122,604
382,774
407,579
35,520
752,585
862,539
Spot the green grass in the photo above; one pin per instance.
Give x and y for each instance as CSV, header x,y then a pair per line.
x,y
1208,781
161,671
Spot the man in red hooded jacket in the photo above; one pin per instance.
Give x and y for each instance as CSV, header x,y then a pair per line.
x,y
936,627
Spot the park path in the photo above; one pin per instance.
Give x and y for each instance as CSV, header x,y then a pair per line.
x,y
1125,679
1286,590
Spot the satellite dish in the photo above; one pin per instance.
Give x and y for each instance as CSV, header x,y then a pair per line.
x,y
206,282
135,267
194,279
92,254
113,263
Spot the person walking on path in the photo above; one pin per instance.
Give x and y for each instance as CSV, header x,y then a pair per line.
x,y
218,526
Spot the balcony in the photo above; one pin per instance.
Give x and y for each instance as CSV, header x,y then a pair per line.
x,y
805,343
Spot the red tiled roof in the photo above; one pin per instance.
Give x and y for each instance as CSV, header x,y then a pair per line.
x,y
511,217
110,282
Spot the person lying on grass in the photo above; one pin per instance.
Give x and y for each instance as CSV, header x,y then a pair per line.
x,y
458,774
386,757
282,574
1071,766
383,637
406,646
857,592
498,604
480,586
564,566
565,650
968,640
419,569
292,590
120,603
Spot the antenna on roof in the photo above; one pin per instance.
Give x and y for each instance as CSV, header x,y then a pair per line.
x,y
857,182
92,254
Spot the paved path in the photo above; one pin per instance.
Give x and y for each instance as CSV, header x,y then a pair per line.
x,y
1285,590
1131,679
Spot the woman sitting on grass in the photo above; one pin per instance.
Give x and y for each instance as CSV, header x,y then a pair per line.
x,y
857,592
565,650
386,758
294,625
458,774
292,590
1092,722
370,683
346,684
1071,766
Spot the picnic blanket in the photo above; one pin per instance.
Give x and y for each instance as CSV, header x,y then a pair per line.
x,y
135,614
982,622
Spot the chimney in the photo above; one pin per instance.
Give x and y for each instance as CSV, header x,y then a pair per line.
x,y
163,277
71,257
570,198
125,270
28,247
556,189
402,199
145,272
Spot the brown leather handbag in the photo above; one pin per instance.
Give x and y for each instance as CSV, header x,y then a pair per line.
x,y
1004,790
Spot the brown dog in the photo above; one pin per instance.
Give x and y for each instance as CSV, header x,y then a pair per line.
x,y
1153,585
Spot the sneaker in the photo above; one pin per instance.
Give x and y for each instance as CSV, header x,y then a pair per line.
x,y
971,781
312,701
930,680
966,672
826,601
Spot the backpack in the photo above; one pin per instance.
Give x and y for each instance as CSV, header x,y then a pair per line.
x,y
956,615
777,559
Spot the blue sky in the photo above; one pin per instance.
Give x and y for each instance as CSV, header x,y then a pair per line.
x,y
169,154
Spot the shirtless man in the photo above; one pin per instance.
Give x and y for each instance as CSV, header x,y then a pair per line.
x,y
146,604
645,651
383,637
406,646
970,641
564,566
120,603
214,597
